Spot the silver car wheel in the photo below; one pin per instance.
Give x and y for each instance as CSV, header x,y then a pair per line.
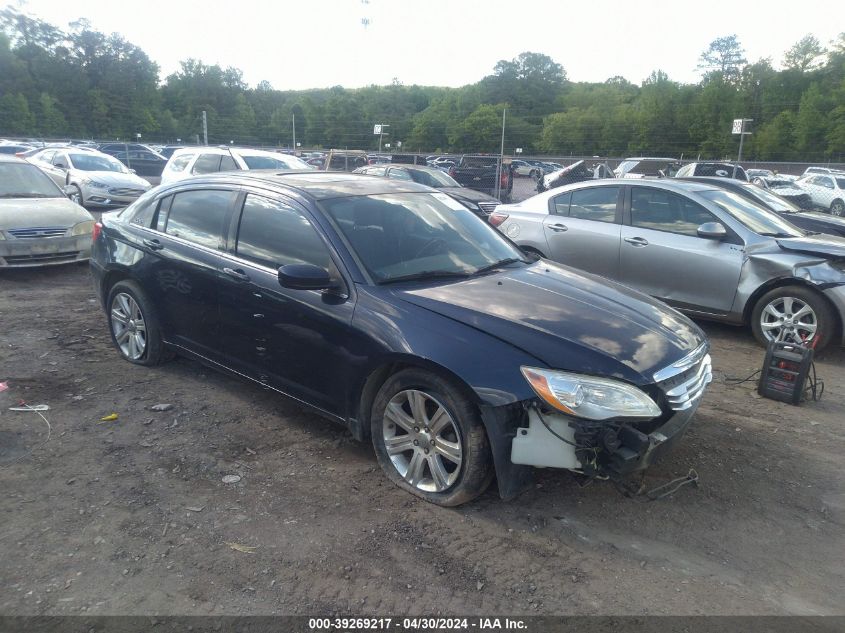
x,y
788,319
128,326
422,441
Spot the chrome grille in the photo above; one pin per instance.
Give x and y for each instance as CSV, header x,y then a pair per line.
x,y
69,256
684,388
488,207
125,191
38,231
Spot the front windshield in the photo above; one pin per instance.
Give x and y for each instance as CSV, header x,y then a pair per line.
x,y
271,162
751,215
92,162
401,235
773,200
437,179
21,180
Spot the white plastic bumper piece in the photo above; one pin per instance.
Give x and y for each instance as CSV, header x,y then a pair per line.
x,y
537,446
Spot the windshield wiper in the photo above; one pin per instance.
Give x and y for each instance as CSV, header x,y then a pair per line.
x,y
26,195
426,274
498,264
777,234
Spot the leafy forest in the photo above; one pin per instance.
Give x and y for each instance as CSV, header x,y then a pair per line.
x,y
80,83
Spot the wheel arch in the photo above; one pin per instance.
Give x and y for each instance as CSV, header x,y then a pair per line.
x,y
110,278
364,395
782,282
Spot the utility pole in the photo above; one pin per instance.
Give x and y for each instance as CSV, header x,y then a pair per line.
x,y
501,164
204,128
293,125
739,128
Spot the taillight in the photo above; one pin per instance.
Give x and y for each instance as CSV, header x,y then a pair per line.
x,y
96,232
497,217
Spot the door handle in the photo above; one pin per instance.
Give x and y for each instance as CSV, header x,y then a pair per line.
x,y
558,228
153,245
637,241
237,274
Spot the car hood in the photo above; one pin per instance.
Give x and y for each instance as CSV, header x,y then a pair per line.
x,y
822,245
24,213
788,190
115,179
465,193
567,319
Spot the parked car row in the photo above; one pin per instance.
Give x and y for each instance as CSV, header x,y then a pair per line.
x,y
698,244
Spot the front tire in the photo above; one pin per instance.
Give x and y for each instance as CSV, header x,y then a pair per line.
x,y
134,325
793,314
429,438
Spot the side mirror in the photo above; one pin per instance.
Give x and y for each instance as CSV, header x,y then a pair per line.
x,y
132,171
304,277
713,231
59,165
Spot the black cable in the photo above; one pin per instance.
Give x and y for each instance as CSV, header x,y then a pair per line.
x,y
562,439
739,381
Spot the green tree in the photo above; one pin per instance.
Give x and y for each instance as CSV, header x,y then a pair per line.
x,y
15,117
724,56
804,55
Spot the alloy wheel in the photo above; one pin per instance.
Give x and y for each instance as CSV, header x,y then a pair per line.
x,y
128,326
837,208
788,319
422,441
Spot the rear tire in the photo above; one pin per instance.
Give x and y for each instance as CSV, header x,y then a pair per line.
x,y
793,314
134,325
837,207
438,448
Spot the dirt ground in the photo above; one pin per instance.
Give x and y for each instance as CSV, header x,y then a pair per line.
x,y
131,516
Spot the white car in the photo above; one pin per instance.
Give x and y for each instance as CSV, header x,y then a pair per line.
x,y
93,179
826,190
191,161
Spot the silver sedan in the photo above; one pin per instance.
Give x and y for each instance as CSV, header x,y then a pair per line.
x,y
38,224
698,247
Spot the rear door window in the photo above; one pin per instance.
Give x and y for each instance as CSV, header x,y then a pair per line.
x,y
207,164
596,203
198,216
560,204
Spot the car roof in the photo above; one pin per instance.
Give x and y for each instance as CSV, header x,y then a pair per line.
x,y
318,185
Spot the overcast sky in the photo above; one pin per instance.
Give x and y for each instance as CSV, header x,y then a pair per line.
x,y
296,44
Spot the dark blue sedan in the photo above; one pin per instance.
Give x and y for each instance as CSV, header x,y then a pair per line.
x,y
391,308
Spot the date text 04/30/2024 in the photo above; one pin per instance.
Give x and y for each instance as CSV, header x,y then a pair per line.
x,y
416,624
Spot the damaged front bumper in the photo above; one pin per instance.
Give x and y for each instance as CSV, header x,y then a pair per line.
x,y
553,440
616,447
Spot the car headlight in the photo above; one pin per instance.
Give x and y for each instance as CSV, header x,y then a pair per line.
x,y
95,184
83,228
588,396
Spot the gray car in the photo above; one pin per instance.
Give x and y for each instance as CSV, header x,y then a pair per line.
x,y
705,250
38,224
95,179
